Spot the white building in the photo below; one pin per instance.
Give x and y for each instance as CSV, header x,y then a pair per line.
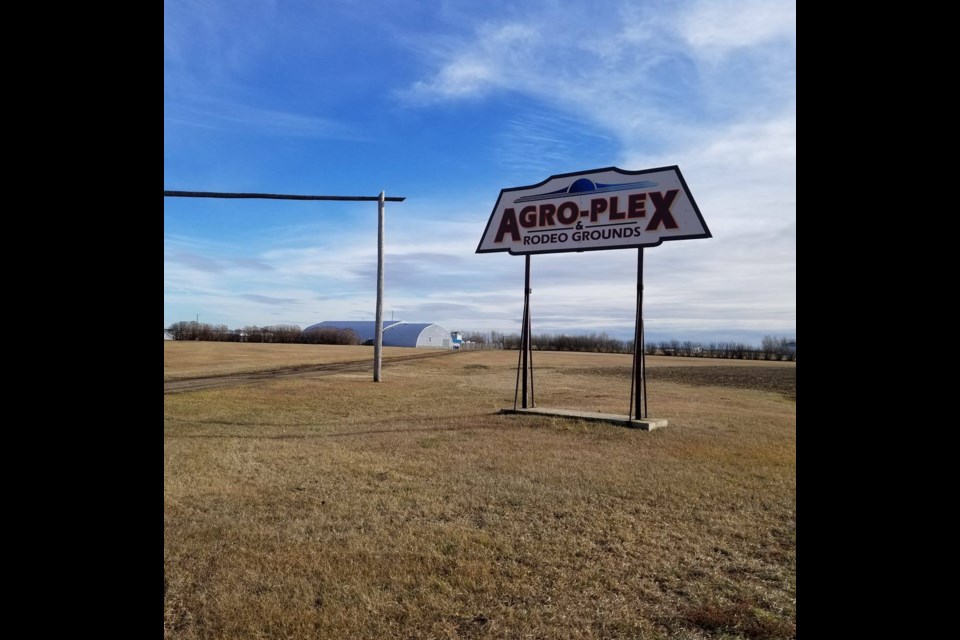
x,y
396,333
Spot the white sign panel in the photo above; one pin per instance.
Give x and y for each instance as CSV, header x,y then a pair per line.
x,y
593,210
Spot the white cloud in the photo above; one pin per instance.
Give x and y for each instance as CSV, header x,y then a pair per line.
x,y
717,27
645,75
238,117
496,57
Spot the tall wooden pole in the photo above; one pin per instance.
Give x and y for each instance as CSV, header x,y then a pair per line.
x,y
378,341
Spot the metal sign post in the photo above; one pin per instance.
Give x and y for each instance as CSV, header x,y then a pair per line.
x,y
638,377
525,360
525,332
529,352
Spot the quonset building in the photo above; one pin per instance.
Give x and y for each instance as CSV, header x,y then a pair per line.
x,y
396,333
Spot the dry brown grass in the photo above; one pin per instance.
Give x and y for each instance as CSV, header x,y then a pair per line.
x,y
333,507
192,359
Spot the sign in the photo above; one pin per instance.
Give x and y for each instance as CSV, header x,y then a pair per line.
x,y
594,210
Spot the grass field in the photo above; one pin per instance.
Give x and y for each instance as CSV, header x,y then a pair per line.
x,y
333,507
193,359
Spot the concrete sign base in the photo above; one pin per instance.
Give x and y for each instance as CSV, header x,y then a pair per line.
x,y
645,424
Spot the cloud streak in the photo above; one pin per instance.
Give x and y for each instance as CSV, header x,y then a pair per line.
x,y
234,116
269,300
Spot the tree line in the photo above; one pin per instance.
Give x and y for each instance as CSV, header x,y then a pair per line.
x,y
277,334
770,348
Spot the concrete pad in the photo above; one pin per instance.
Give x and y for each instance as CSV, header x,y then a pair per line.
x,y
646,424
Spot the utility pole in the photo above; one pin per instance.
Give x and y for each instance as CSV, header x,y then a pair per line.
x,y
378,342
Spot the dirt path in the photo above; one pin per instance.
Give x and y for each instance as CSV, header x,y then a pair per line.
x,y
356,366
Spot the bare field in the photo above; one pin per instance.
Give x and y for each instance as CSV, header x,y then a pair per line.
x,y
195,359
333,507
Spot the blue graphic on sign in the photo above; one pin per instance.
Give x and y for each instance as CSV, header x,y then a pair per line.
x,y
584,186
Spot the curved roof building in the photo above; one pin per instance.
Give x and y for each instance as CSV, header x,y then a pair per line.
x,y
366,330
396,333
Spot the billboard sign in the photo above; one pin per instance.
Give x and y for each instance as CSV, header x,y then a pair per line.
x,y
594,210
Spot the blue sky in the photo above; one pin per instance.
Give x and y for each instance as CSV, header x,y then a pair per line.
x,y
446,103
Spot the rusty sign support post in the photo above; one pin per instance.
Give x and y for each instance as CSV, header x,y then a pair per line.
x,y
638,376
525,361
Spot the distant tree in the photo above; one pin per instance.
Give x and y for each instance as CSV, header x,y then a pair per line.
x,y
783,350
329,335
511,341
220,333
770,346
282,333
593,342
180,330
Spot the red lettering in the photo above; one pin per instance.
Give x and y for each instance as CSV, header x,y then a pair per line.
x,y
661,213
547,212
573,212
528,217
635,205
597,206
508,224
614,214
